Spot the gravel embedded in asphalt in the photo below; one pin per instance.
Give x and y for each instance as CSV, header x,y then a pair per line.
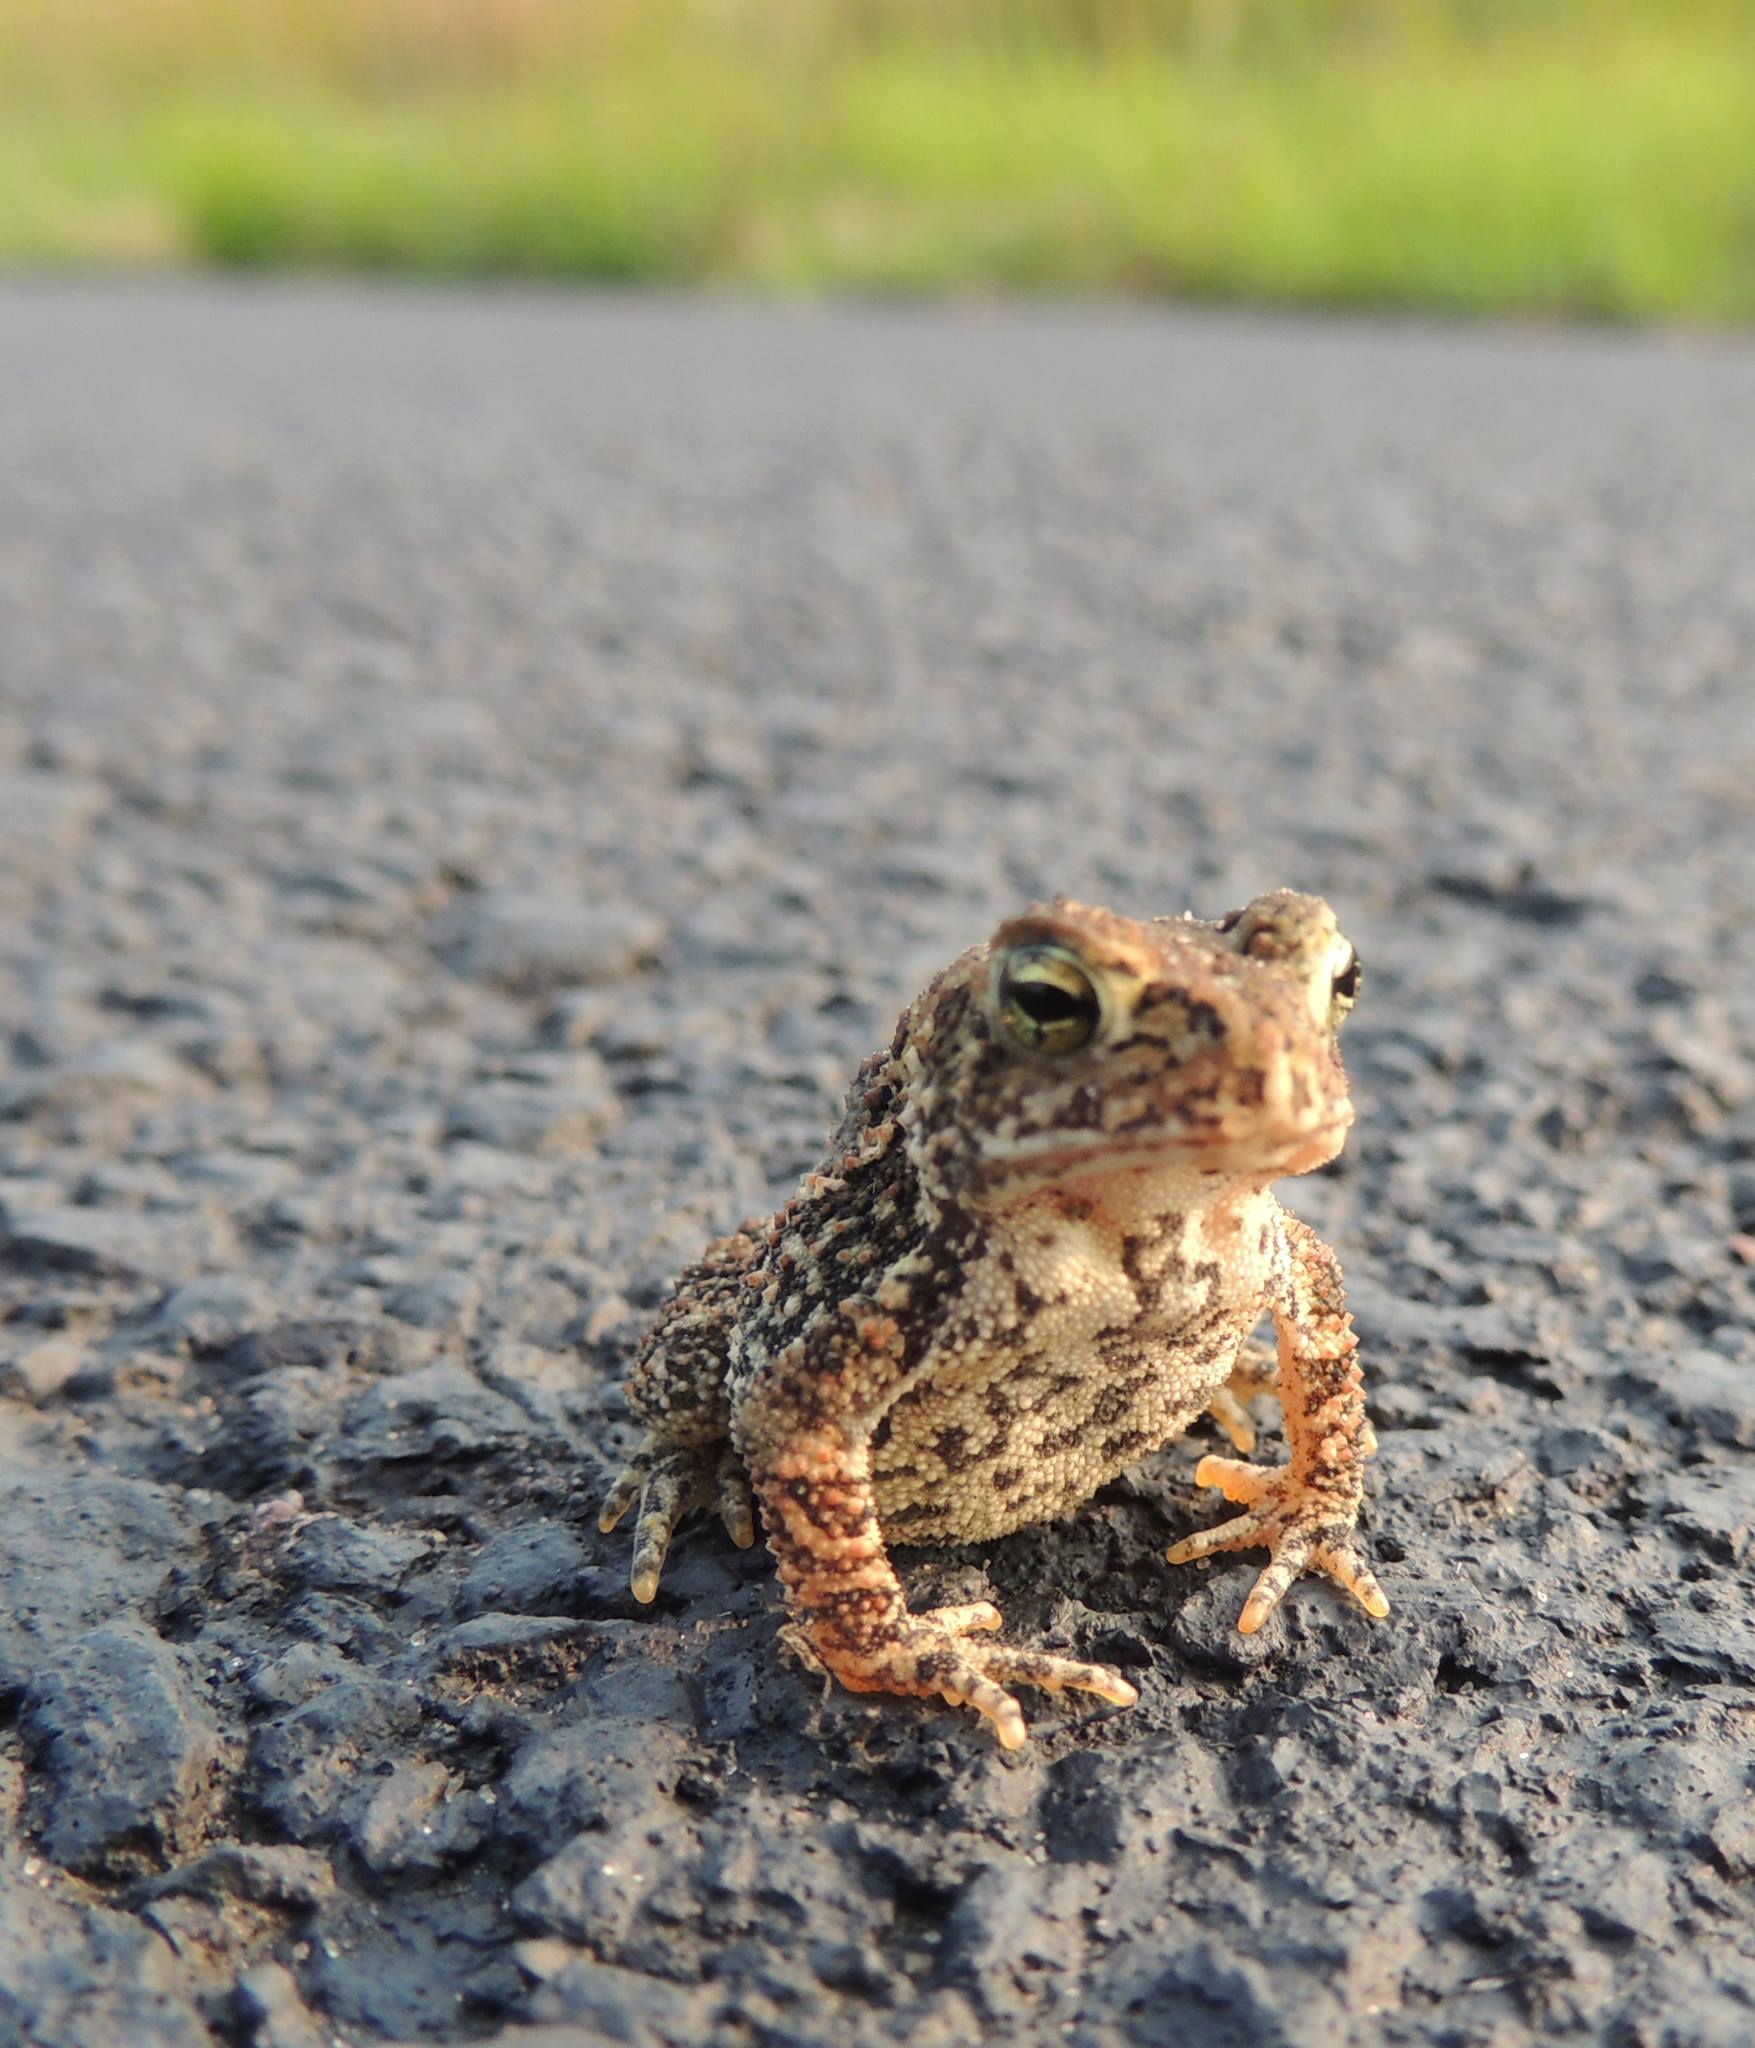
x,y
476,772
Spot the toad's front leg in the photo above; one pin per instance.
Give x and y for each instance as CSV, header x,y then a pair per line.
x,y
813,1479
1305,1512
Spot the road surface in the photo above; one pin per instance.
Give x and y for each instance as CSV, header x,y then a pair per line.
x,y
476,772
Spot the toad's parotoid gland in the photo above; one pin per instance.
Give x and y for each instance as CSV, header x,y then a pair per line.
x,y
1036,1251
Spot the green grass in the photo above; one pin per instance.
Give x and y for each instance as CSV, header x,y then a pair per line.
x,y
1550,157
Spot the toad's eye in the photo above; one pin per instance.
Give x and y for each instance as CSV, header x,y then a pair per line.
x,y
1047,1002
1347,984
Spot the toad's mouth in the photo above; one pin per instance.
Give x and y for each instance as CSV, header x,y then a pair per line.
x,y
1052,1156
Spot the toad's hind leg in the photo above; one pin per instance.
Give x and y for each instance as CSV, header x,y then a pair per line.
x,y
677,1388
668,1480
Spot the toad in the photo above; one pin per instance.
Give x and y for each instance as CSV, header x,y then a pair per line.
x,y
1035,1252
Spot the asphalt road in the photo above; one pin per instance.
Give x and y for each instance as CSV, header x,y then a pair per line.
x,y
475,774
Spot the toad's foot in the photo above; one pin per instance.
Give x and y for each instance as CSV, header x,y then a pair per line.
x,y
1307,1526
929,1654
668,1480
1256,1373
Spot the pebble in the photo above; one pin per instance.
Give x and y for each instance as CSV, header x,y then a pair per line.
x,y
212,1313
534,1568
534,944
513,1116
122,1070
124,1749
268,2003
44,815
40,1372
449,1301
104,1244
440,1411
415,1822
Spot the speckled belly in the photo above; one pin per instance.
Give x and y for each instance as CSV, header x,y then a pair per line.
x,y
996,1438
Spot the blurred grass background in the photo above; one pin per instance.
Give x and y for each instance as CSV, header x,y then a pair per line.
x,y
1591,157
